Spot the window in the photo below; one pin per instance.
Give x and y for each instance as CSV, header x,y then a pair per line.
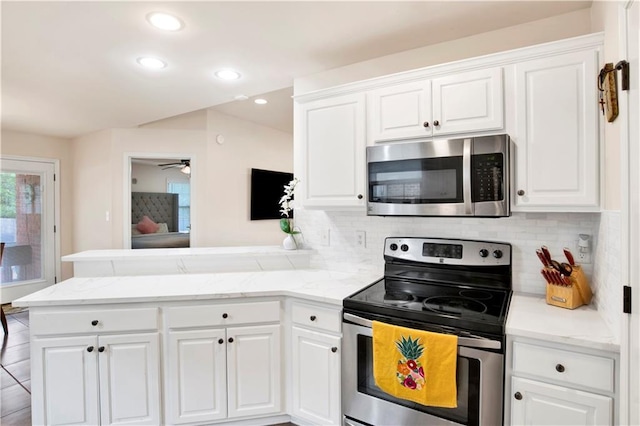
x,y
184,203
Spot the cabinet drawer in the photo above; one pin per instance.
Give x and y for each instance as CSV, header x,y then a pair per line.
x,y
222,315
570,367
93,321
316,317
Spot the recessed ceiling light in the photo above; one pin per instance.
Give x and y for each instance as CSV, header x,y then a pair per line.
x,y
228,74
164,21
151,63
260,101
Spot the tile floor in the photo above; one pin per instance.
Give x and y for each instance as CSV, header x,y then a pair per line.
x,y
15,371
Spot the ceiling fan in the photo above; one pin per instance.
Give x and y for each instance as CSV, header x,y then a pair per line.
x,y
184,165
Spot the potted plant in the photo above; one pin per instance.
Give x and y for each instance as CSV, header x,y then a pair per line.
x,y
286,223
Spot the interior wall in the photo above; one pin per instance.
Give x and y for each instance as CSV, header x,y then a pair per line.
x,y
246,145
545,30
150,178
31,145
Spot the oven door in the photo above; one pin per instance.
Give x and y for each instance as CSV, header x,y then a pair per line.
x,y
420,178
479,379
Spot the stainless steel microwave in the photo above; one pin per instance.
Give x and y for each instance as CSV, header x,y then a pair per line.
x,y
453,177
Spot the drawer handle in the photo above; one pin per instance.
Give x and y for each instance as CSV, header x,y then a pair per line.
x,y
518,396
334,349
90,349
230,339
225,315
220,341
312,317
560,368
94,323
101,349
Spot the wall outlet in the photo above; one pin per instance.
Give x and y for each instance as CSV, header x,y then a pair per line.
x,y
324,237
361,239
582,257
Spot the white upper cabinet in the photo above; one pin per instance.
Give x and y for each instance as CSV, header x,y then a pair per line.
x,y
400,112
556,134
458,103
330,152
468,102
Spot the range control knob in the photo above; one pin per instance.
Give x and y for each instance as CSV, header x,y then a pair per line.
x,y
404,247
393,247
497,254
484,253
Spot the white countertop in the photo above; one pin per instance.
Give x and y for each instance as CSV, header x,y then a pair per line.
x,y
123,254
530,316
320,285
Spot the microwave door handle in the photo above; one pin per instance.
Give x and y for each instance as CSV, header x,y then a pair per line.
x,y
466,176
469,342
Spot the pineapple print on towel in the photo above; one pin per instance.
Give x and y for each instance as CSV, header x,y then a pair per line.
x,y
410,372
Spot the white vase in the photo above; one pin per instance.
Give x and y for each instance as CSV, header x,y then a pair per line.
x,y
289,242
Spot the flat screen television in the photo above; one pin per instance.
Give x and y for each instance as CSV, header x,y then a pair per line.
x,y
267,187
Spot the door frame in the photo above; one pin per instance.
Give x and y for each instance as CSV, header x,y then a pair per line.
x,y
56,205
629,235
126,204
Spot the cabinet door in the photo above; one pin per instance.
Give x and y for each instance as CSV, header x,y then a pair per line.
x,y
196,376
468,102
316,377
398,112
129,379
64,380
253,370
557,166
545,404
330,152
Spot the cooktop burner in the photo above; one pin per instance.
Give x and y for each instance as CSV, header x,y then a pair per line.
x,y
397,298
456,305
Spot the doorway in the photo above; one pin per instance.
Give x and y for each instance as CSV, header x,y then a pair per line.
x,y
27,226
159,187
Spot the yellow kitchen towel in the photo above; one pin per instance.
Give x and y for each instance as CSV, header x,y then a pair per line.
x,y
416,365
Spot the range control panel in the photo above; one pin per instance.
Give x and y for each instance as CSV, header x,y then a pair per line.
x,y
448,251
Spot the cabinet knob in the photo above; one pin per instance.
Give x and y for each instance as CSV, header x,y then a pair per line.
x,y
521,192
518,396
94,323
220,341
425,124
225,315
334,349
312,317
90,349
436,123
360,197
101,349
230,339
560,368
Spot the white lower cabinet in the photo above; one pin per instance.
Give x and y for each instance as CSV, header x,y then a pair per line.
x,y
316,364
538,403
108,380
552,384
223,372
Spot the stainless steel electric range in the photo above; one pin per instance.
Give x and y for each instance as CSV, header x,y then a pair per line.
x,y
452,286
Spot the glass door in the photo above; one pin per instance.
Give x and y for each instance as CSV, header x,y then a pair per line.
x,y
26,227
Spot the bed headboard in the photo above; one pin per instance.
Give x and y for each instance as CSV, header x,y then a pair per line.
x,y
159,206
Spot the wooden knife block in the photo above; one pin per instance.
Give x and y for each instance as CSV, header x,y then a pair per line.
x,y
570,297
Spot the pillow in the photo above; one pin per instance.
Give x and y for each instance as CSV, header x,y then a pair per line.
x,y
162,228
147,226
134,230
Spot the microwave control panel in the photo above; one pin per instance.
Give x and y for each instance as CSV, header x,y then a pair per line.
x,y
487,177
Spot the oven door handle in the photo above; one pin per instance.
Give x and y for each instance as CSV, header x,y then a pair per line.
x,y
469,342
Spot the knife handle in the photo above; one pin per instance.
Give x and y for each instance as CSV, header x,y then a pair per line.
x,y
542,258
546,253
569,256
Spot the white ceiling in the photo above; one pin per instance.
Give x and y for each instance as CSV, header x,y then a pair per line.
x,y
69,68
